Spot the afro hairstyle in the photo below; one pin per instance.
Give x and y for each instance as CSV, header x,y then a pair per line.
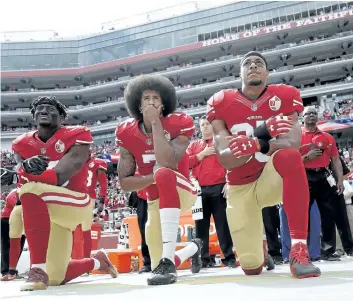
x,y
138,85
51,100
253,53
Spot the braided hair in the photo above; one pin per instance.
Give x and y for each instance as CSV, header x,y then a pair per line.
x,y
51,100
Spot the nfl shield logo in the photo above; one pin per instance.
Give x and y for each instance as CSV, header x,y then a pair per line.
x,y
43,151
253,107
148,141
275,103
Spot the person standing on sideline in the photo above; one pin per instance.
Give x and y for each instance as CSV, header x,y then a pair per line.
x,y
318,149
210,174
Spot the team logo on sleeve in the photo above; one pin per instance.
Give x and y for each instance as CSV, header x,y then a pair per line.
x,y
275,103
59,146
91,165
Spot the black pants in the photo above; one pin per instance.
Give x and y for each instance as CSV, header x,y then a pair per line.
x,y
270,216
5,245
214,203
342,222
142,219
326,197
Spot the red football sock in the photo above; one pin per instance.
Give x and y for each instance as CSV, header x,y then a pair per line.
x,y
37,226
15,250
87,244
78,267
295,191
177,261
166,182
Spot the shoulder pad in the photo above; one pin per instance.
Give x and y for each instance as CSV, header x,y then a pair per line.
x,y
217,98
122,130
21,141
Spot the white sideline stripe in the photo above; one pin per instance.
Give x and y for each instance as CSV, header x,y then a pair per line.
x,y
62,199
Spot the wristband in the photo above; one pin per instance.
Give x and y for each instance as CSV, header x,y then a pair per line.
x,y
261,132
49,176
264,146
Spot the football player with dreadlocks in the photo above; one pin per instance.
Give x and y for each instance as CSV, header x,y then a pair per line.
x,y
53,178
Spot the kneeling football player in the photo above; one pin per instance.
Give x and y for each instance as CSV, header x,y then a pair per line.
x,y
153,143
52,172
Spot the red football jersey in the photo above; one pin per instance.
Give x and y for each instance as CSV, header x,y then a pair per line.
x,y
29,145
242,115
10,203
130,136
93,165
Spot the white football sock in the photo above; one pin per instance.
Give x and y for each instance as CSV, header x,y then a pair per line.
x,y
295,241
97,264
41,266
169,226
186,252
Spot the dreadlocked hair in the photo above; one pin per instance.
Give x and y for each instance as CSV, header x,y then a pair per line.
x,y
48,100
138,85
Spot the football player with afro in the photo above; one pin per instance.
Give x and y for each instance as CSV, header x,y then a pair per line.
x,y
153,158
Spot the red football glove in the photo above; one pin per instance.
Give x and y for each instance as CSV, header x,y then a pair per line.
x,y
273,127
321,141
278,125
242,146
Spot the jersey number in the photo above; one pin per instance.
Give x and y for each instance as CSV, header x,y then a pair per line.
x,y
248,130
89,178
148,158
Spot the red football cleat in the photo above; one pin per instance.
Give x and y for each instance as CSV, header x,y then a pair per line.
x,y
8,277
300,264
105,265
37,280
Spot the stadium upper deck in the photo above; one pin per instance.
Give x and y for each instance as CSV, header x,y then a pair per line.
x,y
182,33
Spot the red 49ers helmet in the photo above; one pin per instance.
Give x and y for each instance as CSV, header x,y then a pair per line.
x,y
321,141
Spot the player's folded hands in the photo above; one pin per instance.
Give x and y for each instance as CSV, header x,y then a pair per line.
x,y
35,165
278,125
242,146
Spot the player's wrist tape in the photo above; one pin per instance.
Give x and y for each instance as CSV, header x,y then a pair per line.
x,y
262,132
49,176
264,146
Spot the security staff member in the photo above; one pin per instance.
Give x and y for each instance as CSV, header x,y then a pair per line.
x,y
210,174
10,203
318,149
138,200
